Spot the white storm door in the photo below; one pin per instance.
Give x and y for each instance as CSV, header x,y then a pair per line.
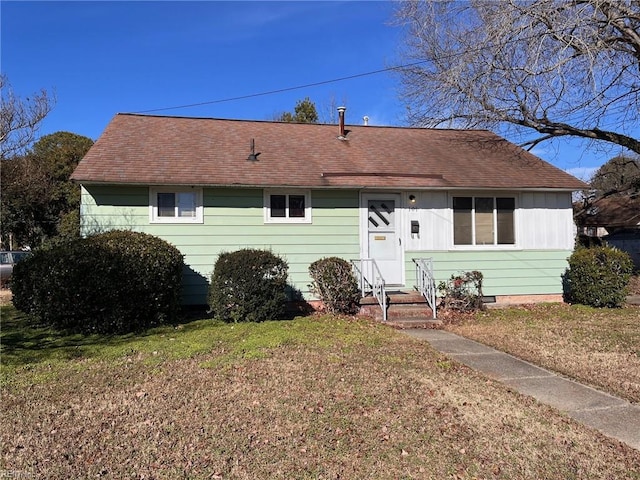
x,y
383,241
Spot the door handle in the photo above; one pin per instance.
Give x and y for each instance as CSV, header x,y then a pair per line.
x,y
400,241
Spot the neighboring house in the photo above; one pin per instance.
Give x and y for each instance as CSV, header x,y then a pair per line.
x,y
615,220
468,199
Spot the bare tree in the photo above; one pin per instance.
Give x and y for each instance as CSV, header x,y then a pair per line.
x,y
329,109
559,67
20,118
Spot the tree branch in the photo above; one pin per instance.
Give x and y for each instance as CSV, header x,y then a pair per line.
x,y
524,63
20,119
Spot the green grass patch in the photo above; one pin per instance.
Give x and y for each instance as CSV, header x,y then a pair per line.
x,y
39,352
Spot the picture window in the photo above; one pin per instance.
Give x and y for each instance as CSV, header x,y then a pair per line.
x,y
484,220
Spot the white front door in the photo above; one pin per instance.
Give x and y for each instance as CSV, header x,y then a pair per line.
x,y
383,240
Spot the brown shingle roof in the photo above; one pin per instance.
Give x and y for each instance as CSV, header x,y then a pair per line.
x,y
158,150
610,212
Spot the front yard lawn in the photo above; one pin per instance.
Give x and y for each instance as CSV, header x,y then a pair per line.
x,y
600,347
313,398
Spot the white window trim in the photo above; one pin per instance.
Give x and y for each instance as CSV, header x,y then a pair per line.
x,y
153,205
285,191
514,246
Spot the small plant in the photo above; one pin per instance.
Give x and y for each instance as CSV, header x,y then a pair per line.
x,y
335,284
462,292
248,285
598,277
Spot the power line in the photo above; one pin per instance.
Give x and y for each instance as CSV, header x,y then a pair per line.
x,y
308,85
288,89
315,84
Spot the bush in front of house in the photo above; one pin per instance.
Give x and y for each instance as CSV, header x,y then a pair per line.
x,y
335,284
248,285
26,280
598,277
462,292
113,282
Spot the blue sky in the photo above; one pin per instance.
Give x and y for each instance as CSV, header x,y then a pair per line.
x,y
102,58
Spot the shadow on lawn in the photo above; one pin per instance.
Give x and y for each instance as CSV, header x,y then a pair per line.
x,y
24,342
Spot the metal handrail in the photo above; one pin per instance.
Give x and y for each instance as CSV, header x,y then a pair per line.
x,y
371,281
426,282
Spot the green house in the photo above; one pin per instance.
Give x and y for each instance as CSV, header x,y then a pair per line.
x,y
467,200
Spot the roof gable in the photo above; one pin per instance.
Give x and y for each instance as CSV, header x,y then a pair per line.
x,y
157,150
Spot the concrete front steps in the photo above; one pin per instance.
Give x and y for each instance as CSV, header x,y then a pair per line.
x,y
405,309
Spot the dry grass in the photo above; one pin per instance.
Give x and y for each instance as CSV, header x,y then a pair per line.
x,y
600,347
5,296
315,398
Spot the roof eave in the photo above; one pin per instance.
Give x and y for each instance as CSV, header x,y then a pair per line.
x,y
567,189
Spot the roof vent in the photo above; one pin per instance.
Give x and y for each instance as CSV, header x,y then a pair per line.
x,y
341,111
253,156
365,120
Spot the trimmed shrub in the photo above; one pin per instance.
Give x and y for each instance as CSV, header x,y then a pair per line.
x,y
335,284
462,292
114,282
248,285
25,280
598,277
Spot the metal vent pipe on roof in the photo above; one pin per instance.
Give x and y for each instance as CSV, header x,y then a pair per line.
x,y
341,111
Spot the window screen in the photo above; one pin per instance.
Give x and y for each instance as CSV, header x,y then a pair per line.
x,y
505,208
462,233
484,221
296,206
186,204
166,204
278,206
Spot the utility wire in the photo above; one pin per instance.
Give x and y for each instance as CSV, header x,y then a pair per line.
x,y
288,89
315,84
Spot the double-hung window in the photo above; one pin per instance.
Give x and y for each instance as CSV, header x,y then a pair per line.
x,y
175,205
287,206
484,220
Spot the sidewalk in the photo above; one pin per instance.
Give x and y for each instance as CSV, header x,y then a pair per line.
x,y
610,415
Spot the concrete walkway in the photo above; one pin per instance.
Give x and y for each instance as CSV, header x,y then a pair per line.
x,y
633,300
612,416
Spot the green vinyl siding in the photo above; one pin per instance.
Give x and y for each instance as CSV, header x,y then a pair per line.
x,y
527,272
233,219
113,208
